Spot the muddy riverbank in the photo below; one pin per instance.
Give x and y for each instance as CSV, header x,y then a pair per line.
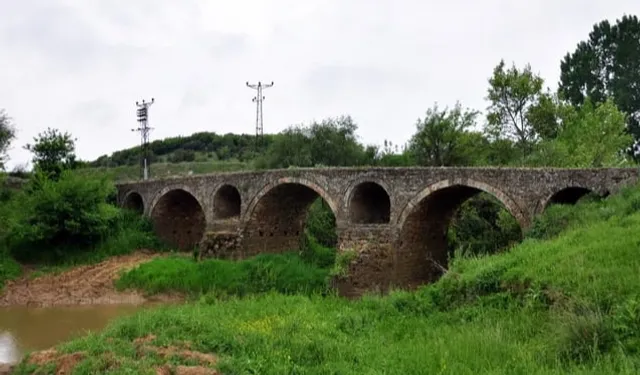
x,y
83,285
39,311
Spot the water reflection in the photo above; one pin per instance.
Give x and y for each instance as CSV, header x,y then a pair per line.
x,y
26,328
8,348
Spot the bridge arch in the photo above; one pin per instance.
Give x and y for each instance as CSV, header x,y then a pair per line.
x,y
368,202
275,218
178,217
227,202
133,201
568,195
421,247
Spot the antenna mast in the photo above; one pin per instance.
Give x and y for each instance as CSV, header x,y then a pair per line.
x,y
142,114
258,100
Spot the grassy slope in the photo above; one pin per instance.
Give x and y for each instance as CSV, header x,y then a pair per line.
x,y
159,170
570,304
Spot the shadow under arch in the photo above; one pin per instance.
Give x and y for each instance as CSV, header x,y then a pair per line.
x,y
227,202
275,218
569,195
133,201
178,217
421,248
368,202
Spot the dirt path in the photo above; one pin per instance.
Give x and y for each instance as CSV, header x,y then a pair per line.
x,y
82,285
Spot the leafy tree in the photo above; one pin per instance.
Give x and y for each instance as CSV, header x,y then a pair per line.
x,y
182,155
592,135
518,105
332,142
292,148
437,141
606,65
53,152
7,134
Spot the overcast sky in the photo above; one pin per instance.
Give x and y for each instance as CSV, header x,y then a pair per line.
x,y
80,65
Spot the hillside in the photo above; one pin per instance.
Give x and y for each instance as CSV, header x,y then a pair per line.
x,y
565,301
197,147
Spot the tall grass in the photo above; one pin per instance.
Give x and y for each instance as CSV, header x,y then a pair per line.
x,y
9,268
303,272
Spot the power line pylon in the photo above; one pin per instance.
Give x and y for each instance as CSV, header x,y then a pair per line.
x,y
258,100
142,114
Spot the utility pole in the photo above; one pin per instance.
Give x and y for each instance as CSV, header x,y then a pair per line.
x,y
258,100
142,114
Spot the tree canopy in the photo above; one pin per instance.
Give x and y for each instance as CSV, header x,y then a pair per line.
x,y
7,135
606,66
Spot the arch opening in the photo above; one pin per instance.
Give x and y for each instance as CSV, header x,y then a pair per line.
x,y
284,216
134,202
369,204
178,219
456,218
227,202
571,195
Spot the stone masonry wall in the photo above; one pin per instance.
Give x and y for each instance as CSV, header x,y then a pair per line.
x,y
400,238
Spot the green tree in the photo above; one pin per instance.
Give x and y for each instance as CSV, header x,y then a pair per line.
x,y
7,134
331,142
517,106
53,152
606,65
334,142
591,136
290,148
437,141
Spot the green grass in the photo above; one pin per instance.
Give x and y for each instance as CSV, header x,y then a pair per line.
x,y
563,302
285,273
159,170
9,268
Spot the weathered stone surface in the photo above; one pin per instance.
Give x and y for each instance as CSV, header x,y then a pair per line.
x,y
221,245
400,214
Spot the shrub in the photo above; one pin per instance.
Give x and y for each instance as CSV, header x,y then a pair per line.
x,y
54,218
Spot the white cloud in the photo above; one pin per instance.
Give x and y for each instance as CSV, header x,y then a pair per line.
x,y
81,65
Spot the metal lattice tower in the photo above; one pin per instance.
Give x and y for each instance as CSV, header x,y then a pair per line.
x,y
142,114
258,100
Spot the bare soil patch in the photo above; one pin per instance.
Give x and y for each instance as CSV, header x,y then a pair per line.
x,y
83,285
64,362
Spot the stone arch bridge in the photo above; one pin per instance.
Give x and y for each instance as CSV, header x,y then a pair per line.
x,y
395,218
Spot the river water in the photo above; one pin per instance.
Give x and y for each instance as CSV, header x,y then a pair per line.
x,y
24,329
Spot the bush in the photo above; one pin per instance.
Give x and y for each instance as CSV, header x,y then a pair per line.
x,y
52,220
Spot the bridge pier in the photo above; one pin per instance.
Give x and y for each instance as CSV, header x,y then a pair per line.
x,y
374,266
